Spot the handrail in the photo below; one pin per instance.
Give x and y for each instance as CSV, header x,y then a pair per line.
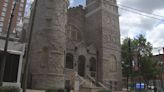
x,y
95,82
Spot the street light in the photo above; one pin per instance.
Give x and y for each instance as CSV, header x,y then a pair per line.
x,y
6,44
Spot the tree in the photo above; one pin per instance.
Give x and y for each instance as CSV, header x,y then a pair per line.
x,y
140,52
149,69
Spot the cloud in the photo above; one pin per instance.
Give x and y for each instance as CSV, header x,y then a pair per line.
x,y
71,2
147,5
77,2
156,36
132,24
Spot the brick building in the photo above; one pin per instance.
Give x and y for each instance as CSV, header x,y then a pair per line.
x,y
13,67
160,78
6,7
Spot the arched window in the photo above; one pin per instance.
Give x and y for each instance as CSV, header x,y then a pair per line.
x,y
69,61
74,33
113,63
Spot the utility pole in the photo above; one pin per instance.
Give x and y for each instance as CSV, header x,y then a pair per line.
x,y
33,13
130,60
5,53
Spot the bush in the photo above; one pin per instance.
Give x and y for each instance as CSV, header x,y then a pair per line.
x,y
55,90
105,91
9,89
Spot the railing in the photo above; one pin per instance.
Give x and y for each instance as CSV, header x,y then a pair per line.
x,y
96,82
88,81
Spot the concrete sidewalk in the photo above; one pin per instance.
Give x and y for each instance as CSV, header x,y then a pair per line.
x,y
29,90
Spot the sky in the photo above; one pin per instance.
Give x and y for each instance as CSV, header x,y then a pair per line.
x,y
132,24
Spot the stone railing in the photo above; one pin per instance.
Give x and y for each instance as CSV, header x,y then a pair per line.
x,y
99,84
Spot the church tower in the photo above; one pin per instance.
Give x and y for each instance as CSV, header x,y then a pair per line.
x,y
102,28
48,45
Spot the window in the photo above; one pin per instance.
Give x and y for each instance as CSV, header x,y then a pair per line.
x,y
3,14
5,4
74,34
113,63
1,18
0,29
19,14
1,24
69,61
21,5
4,9
20,9
22,1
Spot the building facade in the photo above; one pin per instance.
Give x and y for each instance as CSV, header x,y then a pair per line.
x,y
14,62
6,8
79,41
159,81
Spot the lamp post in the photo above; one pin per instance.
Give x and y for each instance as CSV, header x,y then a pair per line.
x,y
126,67
26,67
6,44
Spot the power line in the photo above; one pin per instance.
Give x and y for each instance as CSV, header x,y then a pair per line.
x,y
139,13
140,10
158,48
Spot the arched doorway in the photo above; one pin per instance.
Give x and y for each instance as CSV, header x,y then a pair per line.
x,y
69,61
81,65
92,68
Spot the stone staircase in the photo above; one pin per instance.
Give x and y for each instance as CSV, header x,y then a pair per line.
x,y
89,84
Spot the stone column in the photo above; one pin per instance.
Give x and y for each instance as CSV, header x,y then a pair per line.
x,y
48,45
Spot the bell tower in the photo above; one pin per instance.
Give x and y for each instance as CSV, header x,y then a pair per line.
x,y
102,28
48,45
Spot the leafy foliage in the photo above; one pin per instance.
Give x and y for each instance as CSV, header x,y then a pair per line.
x,y
138,50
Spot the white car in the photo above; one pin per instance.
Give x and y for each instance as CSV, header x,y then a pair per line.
x,y
151,87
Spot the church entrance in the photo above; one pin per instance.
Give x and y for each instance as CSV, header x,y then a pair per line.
x,y
92,68
81,65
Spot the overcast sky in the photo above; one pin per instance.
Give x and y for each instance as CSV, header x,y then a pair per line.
x,y
132,24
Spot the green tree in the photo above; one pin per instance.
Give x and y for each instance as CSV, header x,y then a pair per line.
x,y
139,50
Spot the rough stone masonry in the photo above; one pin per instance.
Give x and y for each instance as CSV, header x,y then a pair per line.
x,y
48,44
78,39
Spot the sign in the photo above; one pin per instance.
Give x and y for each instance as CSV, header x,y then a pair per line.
x,y
140,85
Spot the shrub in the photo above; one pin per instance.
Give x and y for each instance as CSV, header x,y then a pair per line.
x,y
55,90
9,89
105,91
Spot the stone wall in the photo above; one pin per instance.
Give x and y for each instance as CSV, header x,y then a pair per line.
x,y
103,30
48,45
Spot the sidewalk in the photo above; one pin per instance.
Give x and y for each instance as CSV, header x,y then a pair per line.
x,y
29,90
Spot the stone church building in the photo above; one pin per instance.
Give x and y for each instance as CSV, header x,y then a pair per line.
x,y
77,47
